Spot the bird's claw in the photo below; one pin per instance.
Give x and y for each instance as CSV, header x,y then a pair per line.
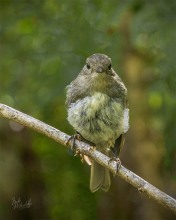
x,y
118,162
73,139
76,151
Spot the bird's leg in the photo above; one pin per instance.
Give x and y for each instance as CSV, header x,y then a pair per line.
x,y
73,139
115,159
116,151
76,152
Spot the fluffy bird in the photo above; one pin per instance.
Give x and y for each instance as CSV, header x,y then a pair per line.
x,y
97,109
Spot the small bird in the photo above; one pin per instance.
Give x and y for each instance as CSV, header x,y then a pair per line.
x,y
97,109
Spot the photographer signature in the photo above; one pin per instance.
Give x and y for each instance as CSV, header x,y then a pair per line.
x,y
17,204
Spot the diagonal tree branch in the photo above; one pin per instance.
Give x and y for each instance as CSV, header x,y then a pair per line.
x,y
62,138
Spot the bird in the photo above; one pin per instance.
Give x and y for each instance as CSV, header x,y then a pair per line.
x,y
97,109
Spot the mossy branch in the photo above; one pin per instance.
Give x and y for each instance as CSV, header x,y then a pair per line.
x,y
84,148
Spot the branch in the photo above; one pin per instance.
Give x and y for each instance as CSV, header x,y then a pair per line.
x,y
62,138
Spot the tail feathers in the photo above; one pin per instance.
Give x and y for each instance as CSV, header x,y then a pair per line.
x,y
100,178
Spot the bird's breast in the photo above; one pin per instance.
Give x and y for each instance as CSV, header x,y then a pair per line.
x,y
98,118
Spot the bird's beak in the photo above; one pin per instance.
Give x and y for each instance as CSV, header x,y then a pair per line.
x,y
99,69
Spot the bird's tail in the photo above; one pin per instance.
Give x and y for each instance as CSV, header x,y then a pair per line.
x,y
99,178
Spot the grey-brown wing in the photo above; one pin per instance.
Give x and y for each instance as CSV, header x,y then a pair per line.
x,y
121,139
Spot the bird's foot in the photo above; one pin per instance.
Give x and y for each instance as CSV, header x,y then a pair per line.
x,y
118,162
72,139
76,151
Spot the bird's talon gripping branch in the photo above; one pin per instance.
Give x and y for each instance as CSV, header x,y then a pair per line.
x,y
77,151
73,139
92,148
118,162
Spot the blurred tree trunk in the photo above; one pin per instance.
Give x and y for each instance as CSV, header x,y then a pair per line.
x,y
143,151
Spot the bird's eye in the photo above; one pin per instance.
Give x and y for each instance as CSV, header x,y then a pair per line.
x,y
109,67
88,65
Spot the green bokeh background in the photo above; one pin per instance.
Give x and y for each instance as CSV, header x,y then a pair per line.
x,y
43,46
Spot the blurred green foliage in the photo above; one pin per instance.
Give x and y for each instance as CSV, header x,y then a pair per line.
x,y
43,47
